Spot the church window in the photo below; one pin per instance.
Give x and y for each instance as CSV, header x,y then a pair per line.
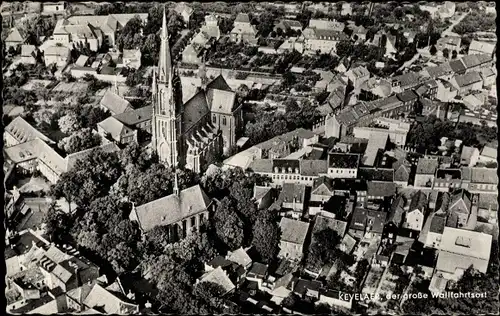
x,y
224,122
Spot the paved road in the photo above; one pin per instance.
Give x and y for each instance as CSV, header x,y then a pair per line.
x,y
448,31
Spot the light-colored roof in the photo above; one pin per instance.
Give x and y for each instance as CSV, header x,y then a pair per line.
x,y
171,209
22,131
466,242
114,103
82,60
483,47
489,152
427,166
131,53
27,50
483,175
260,192
293,231
114,127
14,36
183,8
218,276
57,51
239,256
242,18
221,101
99,297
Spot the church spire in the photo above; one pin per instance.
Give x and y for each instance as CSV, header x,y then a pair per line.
x,y
165,62
176,185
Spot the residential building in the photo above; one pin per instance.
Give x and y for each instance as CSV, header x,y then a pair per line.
x,y
379,192
402,171
321,192
184,11
58,55
432,232
286,25
93,29
414,218
139,119
281,171
343,165
447,179
109,302
458,250
395,217
358,76
468,82
291,200
488,154
367,223
469,156
19,131
53,7
132,58
28,54
181,212
489,76
243,31
462,212
263,196
377,143
117,131
114,103
426,169
14,39
211,27
478,47
323,40
219,277
307,289
293,235
452,43
482,180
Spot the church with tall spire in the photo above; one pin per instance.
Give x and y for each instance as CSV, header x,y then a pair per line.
x,y
189,134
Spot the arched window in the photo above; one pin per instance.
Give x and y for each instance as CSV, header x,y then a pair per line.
x,y
224,122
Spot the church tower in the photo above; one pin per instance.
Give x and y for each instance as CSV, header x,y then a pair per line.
x,y
166,127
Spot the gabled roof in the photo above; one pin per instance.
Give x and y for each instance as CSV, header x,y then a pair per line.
x,y
457,66
418,201
362,218
115,128
380,189
242,18
194,110
293,231
427,166
171,209
114,103
463,198
131,118
483,47
15,36
325,220
218,276
239,256
221,101
102,299
397,211
468,79
22,131
322,186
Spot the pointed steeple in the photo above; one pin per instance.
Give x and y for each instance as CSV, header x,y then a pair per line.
x,y
165,61
153,88
176,185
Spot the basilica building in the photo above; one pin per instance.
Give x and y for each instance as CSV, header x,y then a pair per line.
x,y
196,132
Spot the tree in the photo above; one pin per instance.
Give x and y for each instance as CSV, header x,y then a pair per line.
x,y
446,53
323,249
57,224
81,140
454,54
433,50
130,36
266,235
344,48
228,225
69,123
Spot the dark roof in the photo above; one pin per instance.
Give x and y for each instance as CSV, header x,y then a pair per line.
x,y
468,79
286,163
301,286
194,110
136,116
437,224
219,83
322,181
337,160
376,174
427,166
418,201
349,185
442,201
380,189
457,66
407,79
470,61
258,269
310,167
362,217
448,174
397,211
406,96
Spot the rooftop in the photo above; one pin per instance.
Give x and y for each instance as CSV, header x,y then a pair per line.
x,y
339,160
293,231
